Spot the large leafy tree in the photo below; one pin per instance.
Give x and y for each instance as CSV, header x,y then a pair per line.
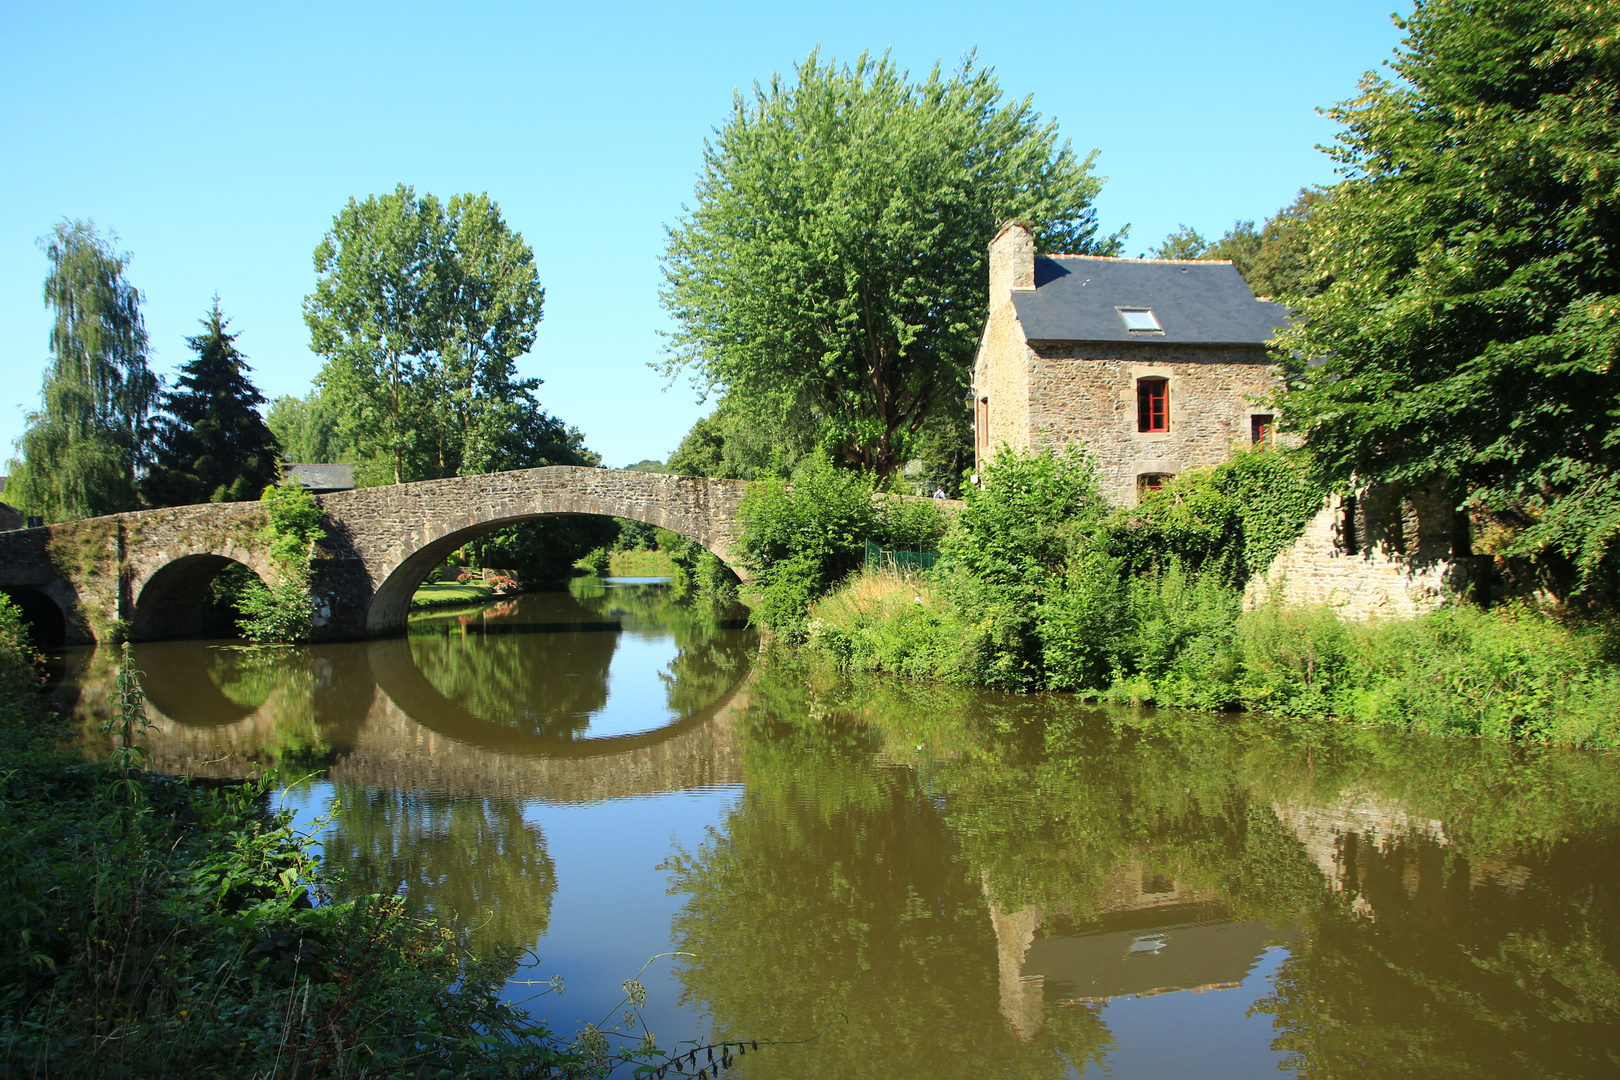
x,y
307,428
421,311
1470,329
82,451
212,444
832,271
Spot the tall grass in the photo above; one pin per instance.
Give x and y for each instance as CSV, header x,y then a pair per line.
x,y
1178,639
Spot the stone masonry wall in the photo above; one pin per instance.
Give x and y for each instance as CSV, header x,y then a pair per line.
x,y
1399,568
1086,393
1001,369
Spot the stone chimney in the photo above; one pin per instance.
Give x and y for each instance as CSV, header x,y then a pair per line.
x,y
1012,261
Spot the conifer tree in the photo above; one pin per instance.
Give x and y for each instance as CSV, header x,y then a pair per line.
x,y
212,445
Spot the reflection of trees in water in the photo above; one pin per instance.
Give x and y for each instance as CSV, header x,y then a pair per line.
x,y
711,656
833,887
516,672
475,858
547,684
1449,972
1458,911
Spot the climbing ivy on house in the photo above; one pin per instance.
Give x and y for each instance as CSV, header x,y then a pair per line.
x,y
1233,519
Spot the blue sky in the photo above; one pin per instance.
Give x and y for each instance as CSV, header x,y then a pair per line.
x,y
218,140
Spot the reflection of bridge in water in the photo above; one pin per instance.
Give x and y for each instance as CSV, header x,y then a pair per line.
x,y
388,726
434,745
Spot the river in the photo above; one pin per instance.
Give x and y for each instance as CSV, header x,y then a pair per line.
x,y
914,881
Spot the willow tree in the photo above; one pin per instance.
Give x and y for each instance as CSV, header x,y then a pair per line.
x,y
82,450
832,273
1471,328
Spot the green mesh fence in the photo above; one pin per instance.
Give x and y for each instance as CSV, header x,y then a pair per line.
x,y
899,561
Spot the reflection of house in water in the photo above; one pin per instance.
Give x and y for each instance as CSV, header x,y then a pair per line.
x,y
1145,934
1345,837
1150,936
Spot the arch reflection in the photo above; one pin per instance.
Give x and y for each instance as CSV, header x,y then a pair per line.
x,y
531,679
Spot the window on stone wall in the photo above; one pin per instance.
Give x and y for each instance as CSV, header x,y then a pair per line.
x,y
1262,432
1152,405
1151,481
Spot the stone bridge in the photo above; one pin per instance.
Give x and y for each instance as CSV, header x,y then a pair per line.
x,y
146,574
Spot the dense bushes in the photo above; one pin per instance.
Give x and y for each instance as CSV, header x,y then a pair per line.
x,y
1040,588
802,537
282,612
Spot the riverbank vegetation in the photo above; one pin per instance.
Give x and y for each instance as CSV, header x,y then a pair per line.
x,y
1041,586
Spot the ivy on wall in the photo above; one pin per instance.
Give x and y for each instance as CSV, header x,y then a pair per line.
x,y
1235,518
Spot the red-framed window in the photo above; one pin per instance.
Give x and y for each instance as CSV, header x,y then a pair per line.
x,y
1152,405
1262,431
1151,481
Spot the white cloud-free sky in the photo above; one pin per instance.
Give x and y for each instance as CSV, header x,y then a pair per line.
x,y
218,140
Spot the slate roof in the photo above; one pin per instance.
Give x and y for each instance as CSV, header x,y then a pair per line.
x,y
320,478
1076,298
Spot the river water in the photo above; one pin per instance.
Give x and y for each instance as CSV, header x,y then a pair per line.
x,y
906,881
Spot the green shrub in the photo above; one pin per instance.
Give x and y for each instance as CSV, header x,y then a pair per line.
x,y
908,524
1296,660
597,561
1511,673
1007,552
1086,624
1179,648
19,660
800,538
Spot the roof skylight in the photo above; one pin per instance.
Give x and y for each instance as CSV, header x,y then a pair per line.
x,y
1139,318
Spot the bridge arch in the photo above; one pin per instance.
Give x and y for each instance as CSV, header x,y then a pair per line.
x,y
44,613
175,601
700,509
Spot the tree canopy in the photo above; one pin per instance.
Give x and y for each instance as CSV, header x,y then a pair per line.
x,y
212,445
1470,329
82,451
832,272
421,311
307,428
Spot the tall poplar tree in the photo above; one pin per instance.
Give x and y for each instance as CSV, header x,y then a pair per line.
x,y
82,451
421,311
212,444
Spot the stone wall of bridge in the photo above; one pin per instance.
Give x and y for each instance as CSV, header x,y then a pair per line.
x,y
146,574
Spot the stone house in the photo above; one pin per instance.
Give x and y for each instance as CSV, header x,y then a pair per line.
x,y
1158,366
1155,365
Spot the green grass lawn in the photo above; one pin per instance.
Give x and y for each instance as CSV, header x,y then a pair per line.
x,y
642,564
445,593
